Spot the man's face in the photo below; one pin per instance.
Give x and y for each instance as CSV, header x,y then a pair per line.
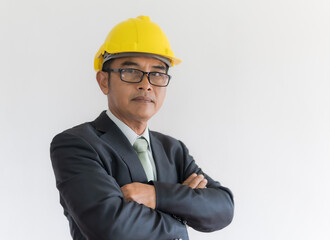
x,y
136,102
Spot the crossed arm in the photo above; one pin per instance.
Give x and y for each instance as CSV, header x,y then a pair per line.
x,y
146,194
102,209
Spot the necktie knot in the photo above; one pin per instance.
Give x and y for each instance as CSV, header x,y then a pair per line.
x,y
140,145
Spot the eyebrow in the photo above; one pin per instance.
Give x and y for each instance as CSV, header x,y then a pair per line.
x,y
160,67
131,63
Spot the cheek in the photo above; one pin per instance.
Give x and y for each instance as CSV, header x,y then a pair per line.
x,y
118,95
161,96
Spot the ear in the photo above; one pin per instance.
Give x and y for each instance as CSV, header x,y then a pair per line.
x,y
102,79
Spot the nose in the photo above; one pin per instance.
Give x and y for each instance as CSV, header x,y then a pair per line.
x,y
145,84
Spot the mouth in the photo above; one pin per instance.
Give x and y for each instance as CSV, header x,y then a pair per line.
x,y
143,99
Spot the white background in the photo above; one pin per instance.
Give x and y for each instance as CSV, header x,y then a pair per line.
x,y
250,100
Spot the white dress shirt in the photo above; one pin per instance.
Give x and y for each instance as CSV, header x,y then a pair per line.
x,y
132,136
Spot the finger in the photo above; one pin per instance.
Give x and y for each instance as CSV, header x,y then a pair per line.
x,y
189,179
194,183
202,184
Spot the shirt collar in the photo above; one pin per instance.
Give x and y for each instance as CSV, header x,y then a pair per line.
x,y
128,132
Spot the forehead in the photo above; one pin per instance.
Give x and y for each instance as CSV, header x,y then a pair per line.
x,y
138,62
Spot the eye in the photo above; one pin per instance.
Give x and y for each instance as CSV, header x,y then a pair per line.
x,y
157,74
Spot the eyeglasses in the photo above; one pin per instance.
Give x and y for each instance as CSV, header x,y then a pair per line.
x,y
132,75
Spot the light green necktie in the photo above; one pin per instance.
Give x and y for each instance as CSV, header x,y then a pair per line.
x,y
141,147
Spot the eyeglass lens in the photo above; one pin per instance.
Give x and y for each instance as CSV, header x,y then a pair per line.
x,y
135,75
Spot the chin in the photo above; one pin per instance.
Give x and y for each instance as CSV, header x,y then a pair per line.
x,y
144,112
143,116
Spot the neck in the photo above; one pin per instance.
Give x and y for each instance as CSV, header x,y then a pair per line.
x,y
138,126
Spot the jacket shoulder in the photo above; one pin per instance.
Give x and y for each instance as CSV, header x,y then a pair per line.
x,y
84,130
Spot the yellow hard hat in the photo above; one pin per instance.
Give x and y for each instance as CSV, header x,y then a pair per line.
x,y
136,35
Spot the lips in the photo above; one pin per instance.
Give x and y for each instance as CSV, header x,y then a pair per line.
x,y
143,99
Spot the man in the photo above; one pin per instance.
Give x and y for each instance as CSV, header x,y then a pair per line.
x,y
116,178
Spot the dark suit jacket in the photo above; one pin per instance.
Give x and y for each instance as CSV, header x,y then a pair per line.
x,y
93,160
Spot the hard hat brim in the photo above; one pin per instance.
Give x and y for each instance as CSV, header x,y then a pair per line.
x,y
99,58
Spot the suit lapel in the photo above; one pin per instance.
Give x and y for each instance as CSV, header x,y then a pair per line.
x,y
120,144
163,166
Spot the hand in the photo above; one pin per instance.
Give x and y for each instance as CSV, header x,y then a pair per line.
x,y
195,181
141,193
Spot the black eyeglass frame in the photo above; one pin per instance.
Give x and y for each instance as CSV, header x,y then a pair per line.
x,y
147,73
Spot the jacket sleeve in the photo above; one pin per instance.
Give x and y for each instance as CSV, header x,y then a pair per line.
x,y
94,200
205,210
